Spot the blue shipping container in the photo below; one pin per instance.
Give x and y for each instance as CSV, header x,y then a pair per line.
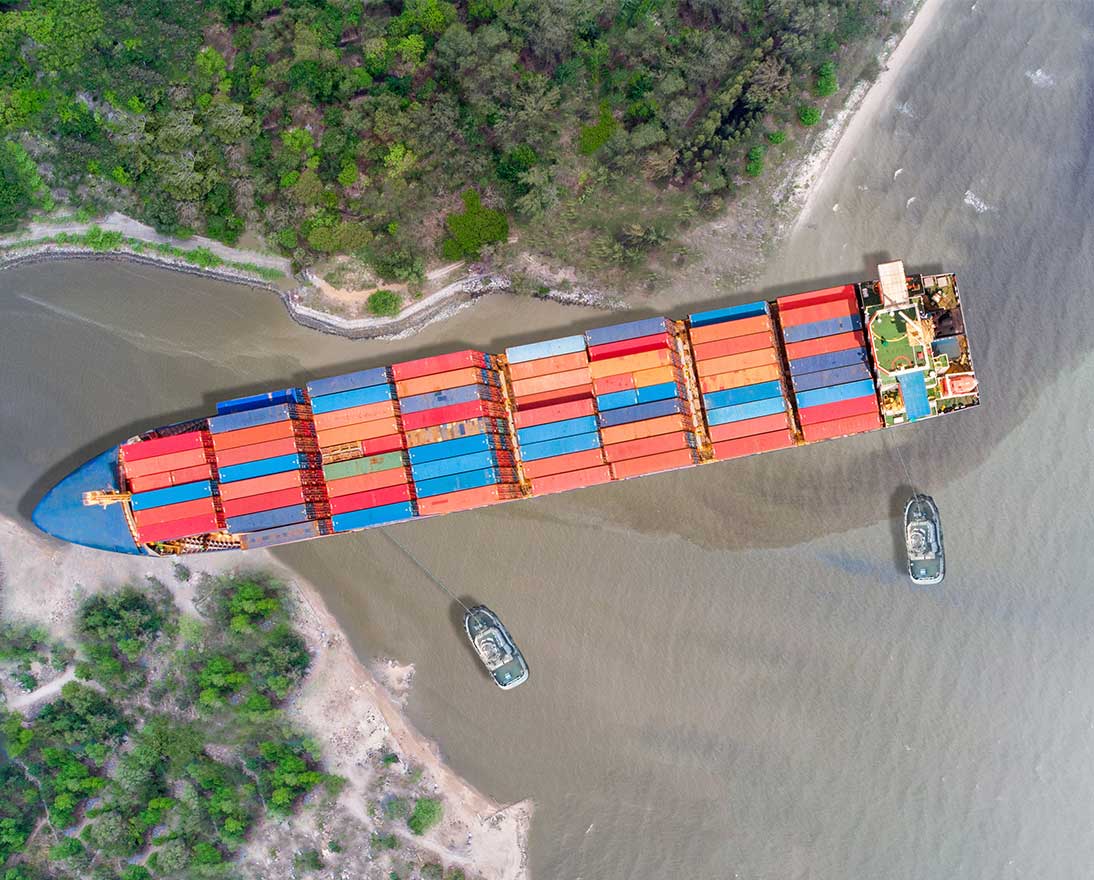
x,y
816,329
630,330
355,397
650,393
256,401
251,417
350,381
261,468
838,376
448,397
456,482
616,400
281,535
554,430
733,313
268,519
518,354
745,394
836,393
473,461
459,446
171,495
374,516
640,413
561,446
819,362
752,410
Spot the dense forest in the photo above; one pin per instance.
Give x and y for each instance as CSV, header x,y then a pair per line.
x,y
410,130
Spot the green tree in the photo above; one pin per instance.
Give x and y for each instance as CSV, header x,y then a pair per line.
x,y
826,83
808,115
427,813
384,303
473,228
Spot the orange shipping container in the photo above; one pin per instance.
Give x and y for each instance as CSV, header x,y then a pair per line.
x,y
731,363
171,478
362,431
440,381
743,446
250,436
560,363
355,415
640,430
730,329
652,464
632,363
240,454
172,512
748,427
573,461
261,485
551,382
367,482
648,446
733,345
739,378
163,463
657,376
466,499
571,480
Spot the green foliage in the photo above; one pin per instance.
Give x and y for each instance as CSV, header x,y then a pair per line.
x,y
808,115
21,187
396,808
826,83
473,228
20,808
284,773
432,871
308,860
593,137
390,758
776,137
427,813
384,303
385,841
755,165
117,627
21,642
348,175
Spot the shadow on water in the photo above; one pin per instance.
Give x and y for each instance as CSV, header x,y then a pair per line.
x,y
456,612
897,502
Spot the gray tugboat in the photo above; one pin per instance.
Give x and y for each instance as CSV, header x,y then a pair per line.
x,y
923,536
495,647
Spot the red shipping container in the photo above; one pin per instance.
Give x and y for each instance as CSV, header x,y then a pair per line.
x,y
441,363
373,498
544,414
648,428
841,427
380,445
840,308
648,446
632,363
270,449
550,382
355,415
265,501
733,345
184,528
825,345
162,463
730,329
739,378
368,482
442,381
743,446
560,363
257,434
260,485
815,297
748,427
731,363
171,478
455,412
652,464
611,384
466,499
841,409
362,431
572,461
174,512
571,480
548,398
631,346
130,452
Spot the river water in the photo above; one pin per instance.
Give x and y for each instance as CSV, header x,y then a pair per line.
x,y
731,675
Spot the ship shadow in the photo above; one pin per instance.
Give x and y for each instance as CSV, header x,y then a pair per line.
x,y
456,612
897,502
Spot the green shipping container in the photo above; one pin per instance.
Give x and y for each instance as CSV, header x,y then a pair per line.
x,y
339,469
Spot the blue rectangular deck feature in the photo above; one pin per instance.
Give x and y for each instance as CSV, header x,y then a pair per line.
x,y
554,430
630,330
473,461
257,401
261,468
533,351
354,397
350,381
744,394
457,482
663,391
251,418
836,393
913,388
561,446
616,400
374,516
640,413
751,410
458,446
817,329
838,376
819,362
448,397
268,519
733,313
171,495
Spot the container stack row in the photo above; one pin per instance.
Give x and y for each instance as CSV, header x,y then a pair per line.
x,y
268,467
740,380
829,363
643,412
360,436
454,418
555,415
171,479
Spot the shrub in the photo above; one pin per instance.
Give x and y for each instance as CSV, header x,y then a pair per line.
x,y
395,808
776,137
593,137
348,175
826,80
385,841
755,165
384,303
308,860
427,813
808,115
474,227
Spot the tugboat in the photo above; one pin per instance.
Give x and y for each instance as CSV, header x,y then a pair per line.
x,y
495,647
923,537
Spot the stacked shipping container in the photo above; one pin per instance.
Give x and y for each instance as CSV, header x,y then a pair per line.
x,y
740,380
829,363
454,420
171,479
643,412
555,416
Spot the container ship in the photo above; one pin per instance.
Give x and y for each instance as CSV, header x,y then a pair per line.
x,y
469,429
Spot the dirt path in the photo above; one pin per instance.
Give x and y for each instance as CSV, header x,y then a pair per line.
x,y
45,692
